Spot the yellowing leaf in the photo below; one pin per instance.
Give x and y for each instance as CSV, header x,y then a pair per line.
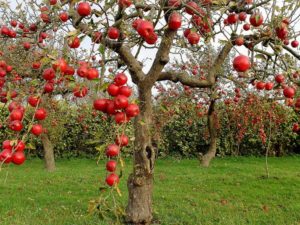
x,y
219,2
122,162
118,191
92,206
72,33
30,146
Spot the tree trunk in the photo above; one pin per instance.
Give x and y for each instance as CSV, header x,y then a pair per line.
x,y
48,153
211,153
140,182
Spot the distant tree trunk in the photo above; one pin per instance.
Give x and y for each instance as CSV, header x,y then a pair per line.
x,y
140,182
48,153
211,153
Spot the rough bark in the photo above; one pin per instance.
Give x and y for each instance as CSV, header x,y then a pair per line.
x,y
48,153
211,153
140,182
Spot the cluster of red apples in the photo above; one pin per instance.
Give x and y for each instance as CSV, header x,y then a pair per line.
x,y
242,63
145,28
13,149
122,111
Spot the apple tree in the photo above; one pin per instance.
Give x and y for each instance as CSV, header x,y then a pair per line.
x,y
141,39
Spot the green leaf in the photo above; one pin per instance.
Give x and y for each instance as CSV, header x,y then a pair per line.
x,y
100,148
104,86
102,49
30,146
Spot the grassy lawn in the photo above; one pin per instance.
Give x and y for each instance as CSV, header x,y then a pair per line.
x,y
232,191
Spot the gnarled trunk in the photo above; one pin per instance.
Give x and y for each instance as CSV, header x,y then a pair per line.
x,y
48,153
140,182
211,153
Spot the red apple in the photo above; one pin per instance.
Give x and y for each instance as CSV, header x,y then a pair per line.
x,y
26,45
151,38
63,16
120,117
84,9
242,16
20,146
191,8
241,63
33,101
145,28
239,41
295,44
246,27
92,74
49,74
279,78
80,91
18,158
282,31
6,156
111,166
132,110
269,86
122,140
37,129
100,104
113,90
112,179
174,21
74,42
289,92
113,33
16,114
60,65
16,125
193,38
110,108
256,19
232,18
49,87
112,150
125,3
260,85
125,90
40,114
120,79
121,102
7,145
52,2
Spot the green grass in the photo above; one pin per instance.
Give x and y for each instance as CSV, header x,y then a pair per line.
x,y
232,191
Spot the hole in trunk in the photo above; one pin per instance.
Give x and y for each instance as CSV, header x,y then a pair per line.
x,y
149,152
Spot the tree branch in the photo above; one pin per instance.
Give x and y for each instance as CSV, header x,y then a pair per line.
x,y
291,51
184,78
218,63
123,50
161,58
132,63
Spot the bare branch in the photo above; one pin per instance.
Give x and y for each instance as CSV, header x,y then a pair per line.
x,y
134,67
184,78
295,54
162,57
217,65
